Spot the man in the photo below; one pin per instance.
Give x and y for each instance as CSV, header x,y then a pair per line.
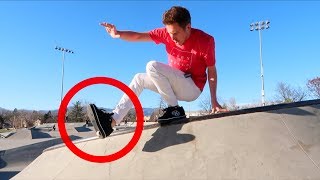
x,y
190,53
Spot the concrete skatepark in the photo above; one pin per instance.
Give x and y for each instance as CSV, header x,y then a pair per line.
x,y
274,142
21,146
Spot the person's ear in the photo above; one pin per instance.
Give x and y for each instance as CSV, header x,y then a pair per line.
x,y
188,27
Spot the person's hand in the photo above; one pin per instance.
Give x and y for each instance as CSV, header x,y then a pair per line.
x,y
111,29
218,109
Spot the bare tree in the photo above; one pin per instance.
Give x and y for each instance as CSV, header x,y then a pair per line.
x,y
130,116
155,115
288,94
162,104
14,119
205,105
26,119
314,86
158,111
232,104
32,118
7,115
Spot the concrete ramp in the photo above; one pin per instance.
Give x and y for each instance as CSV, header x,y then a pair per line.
x,y
282,144
23,133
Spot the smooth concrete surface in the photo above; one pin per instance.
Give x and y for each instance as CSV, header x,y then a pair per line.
x,y
25,145
281,144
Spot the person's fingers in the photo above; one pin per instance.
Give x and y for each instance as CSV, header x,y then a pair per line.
x,y
104,24
222,110
107,25
213,111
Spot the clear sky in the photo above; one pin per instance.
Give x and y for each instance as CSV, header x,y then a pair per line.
x,y
31,69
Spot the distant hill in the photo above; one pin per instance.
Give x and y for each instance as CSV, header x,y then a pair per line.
x,y
2,110
146,111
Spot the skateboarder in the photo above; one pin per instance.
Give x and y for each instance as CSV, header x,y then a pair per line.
x,y
191,52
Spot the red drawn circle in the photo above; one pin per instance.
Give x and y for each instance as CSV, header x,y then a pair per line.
x,y
63,108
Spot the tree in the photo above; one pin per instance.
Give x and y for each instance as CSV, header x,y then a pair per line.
x,y
232,104
26,119
77,113
31,118
314,86
13,119
155,115
1,121
48,117
205,105
288,94
7,116
157,112
162,106
130,116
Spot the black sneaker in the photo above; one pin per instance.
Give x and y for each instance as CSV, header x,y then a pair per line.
x,y
172,114
101,120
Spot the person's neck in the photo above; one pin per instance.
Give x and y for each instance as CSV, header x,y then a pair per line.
x,y
187,38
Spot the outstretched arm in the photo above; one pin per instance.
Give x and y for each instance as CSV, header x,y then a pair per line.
x,y
213,79
126,35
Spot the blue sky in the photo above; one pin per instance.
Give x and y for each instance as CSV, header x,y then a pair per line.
x,y
31,68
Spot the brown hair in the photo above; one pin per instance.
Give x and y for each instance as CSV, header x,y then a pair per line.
x,y
176,14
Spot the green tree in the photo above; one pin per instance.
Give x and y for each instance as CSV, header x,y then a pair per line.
x,y
1,121
77,113
14,118
48,117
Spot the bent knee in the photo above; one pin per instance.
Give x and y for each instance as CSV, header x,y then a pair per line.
x,y
139,77
151,66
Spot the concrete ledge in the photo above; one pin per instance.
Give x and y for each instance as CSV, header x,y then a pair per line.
x,y
257,109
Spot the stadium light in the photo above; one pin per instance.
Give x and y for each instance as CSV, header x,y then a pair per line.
x,y
64,50
259,26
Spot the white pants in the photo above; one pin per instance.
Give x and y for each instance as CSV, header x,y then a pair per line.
x,y
170,83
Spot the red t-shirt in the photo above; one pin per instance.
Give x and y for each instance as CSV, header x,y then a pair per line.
x,y
194,56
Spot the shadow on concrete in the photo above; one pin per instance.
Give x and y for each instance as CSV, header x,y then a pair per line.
x,y
285,108
83,129
38,134
23,156
293,111
2,162
164,137
6,134
8,174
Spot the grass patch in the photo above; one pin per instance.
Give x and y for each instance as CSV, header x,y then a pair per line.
x,y
4,130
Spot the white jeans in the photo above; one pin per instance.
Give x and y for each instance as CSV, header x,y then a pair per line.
x,y
170,83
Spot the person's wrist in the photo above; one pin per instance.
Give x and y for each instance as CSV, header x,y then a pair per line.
x,y
118,35
214,103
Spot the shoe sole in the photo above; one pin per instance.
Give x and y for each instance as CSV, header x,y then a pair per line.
x,y
93,116
173,121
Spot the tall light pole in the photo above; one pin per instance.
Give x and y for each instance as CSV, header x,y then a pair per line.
x,y
259,26
64,50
